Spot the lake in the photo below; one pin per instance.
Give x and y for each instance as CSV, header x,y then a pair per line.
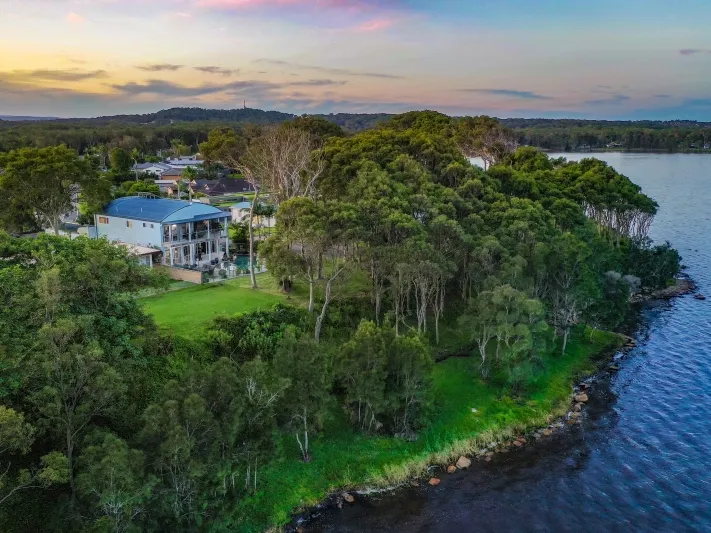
x,y
641,459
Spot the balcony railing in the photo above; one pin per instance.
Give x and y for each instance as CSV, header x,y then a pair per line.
x,y
197,235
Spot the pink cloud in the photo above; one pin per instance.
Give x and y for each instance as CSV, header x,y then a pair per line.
x,y
351,5
374,25
74,18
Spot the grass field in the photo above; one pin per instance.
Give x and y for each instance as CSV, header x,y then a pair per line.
x,y
344,459
187,311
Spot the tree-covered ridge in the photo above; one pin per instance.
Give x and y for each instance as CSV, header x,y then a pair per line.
x,y
394,250
155,131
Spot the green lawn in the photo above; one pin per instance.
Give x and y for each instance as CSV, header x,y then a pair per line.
x,y
344,459
187,311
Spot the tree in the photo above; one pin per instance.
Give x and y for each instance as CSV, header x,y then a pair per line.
x,y
17,438
113,480
363,370
120,162
280,160
45,181
486,138
78,386
135,154
301,240
409,383
189,175
303,362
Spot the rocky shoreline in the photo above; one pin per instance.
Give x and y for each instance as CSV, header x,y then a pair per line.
x,y
609,363
681,287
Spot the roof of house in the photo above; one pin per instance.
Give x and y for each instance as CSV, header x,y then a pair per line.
x,y
161,210
224,186
173,172
242,205
144,166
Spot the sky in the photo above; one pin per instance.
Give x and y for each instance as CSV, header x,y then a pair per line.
x,y
606,59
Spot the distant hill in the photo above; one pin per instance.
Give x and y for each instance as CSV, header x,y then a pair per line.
x,y
351,122
191,114
13,118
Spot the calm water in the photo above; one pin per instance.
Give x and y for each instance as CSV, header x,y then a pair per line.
x,y
641,461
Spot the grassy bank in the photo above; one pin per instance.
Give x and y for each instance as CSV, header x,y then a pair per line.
x,y
187,311
345,459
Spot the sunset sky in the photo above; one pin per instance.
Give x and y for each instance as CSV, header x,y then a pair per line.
x,y
627,59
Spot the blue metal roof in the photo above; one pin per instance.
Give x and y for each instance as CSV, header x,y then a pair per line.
x,y
161,210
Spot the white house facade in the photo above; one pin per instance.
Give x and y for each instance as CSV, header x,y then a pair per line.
x,y
184,234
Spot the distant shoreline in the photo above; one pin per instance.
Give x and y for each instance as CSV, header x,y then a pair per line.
x,y
622,151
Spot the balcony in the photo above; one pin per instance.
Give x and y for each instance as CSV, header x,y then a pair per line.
x,y
215,232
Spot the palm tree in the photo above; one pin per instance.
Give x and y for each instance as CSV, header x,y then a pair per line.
x,y
135,154
103,154
189,174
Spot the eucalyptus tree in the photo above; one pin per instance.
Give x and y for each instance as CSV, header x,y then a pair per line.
x,y
46,181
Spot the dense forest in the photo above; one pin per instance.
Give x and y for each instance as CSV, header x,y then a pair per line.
x,y
156,131
394,250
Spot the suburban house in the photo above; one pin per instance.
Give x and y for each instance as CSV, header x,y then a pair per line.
x,y
167,186
156,169
174,233
184,162
222,186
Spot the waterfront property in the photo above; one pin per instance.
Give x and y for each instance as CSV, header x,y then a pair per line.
x,y
181,233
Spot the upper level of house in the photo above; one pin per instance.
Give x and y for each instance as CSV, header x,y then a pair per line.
x,y
160,222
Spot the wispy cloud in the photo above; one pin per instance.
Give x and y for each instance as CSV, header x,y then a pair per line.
x,y
615,99
168,88
512,93
328,70
75,18
374,25
159,67
56,75
662,96
693,51
217,70
354,5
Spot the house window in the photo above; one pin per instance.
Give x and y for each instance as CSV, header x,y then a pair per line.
x,y
103,220
129,224
145,225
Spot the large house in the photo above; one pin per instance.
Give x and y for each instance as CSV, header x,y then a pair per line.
x,y
171,232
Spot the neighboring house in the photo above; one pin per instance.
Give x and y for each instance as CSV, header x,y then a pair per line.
x,y
166,186
172,173
707,146
180,233
184,162
240,213
156,169
222,186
